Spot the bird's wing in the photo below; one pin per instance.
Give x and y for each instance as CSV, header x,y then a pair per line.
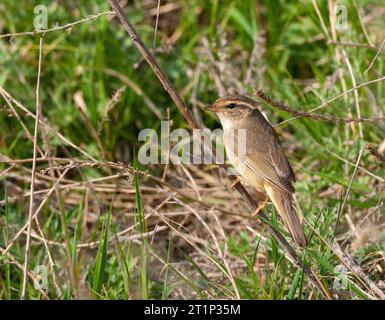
x,y
279,160
269,162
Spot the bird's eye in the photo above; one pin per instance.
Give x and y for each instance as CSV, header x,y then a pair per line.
x,y
231,106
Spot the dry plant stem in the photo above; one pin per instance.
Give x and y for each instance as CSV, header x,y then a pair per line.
x,y
10,244
130,172
355,93
373,15
227,269
307,114
348,190
4,159
333,10
357,270
338,97
375,152
51,262
193,124
24,178
166,166
70,264
81,104
17,264
167,7
319,14
72,186
169,265
352,44
225,253
363,279
48,155
362,23
215,73
5,171
153,64
190,242
31,202
4,93
378,178
68,26
138,90
120,237
375,58
110,105
62,219
28,134
156,27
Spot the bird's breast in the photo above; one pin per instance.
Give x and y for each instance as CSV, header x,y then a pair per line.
x,y
235,142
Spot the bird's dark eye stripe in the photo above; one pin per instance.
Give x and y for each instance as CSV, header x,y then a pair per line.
x,y
231,106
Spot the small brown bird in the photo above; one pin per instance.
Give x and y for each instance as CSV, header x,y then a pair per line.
x,y
260,159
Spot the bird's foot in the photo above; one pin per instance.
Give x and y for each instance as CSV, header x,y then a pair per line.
x,y
235,182
261,206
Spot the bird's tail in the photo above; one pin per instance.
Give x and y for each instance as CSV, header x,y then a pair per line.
x,y
283,202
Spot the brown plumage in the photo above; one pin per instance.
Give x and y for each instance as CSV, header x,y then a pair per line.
x,y
257,154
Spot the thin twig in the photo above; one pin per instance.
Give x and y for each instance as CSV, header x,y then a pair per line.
x,y
348,190
375,58
352,44
156,28
308,114
338,97
67,26
5,171
194,125
355,93
31,201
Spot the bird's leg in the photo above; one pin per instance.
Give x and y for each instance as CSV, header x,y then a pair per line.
x,y
261,206
235,182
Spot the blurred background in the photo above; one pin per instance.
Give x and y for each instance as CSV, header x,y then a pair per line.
x,y
179,232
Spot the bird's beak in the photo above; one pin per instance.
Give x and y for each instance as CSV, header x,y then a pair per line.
x,y
211,107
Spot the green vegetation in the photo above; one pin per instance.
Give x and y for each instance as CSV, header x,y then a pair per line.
x,y
106,233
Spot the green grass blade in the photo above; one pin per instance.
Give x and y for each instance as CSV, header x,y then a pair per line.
x,y
139,219
101,257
